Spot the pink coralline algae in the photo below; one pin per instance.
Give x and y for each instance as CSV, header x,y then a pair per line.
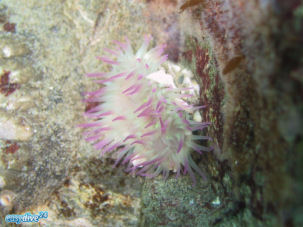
x,y
145,124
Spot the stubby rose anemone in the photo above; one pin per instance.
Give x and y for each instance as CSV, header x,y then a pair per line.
x,y
146,124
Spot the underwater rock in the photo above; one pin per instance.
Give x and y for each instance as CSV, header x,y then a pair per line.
x,y
247,57
254,47
44,61
33,161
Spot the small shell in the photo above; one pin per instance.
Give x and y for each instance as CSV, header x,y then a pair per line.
x,y
12,48
7,199
12,129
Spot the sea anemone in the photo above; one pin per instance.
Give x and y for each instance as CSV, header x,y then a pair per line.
x,y
144,123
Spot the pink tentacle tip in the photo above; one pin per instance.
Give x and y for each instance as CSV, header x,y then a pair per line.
x,y
149,133
129,157
137,142
163,125
163,58
111,78
180,145
99,92
130,75
148,111
101,144
105,114
108,60
92,138
158,105
144,105
128,89
140,77
163,46
127,40
120,44
94,109
111,51
160,49
132,136
91,99
135,90
119,118
110,148
147,39
150,124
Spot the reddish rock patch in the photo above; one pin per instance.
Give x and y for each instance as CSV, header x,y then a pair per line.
x,y
11,147
9,27
6,87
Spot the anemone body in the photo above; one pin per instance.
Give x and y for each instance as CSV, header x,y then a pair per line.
x,y
145,124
